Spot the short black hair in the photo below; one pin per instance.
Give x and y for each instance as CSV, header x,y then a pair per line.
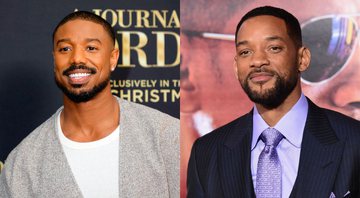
x,y
87,16
292,24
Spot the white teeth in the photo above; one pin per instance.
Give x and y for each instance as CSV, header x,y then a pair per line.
x,y
79,75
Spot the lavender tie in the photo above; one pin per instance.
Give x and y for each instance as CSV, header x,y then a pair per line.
x,y
268,177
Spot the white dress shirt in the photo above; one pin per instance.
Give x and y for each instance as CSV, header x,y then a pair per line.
x,y
291,126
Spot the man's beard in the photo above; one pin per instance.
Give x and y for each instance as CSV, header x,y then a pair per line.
x,y
82,96
273,97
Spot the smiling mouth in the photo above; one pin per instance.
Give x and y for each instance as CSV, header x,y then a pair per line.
x,y
79,75
79,69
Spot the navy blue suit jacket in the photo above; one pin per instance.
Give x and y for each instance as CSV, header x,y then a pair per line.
x,y
219,164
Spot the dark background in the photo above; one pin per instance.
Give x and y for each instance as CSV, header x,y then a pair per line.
x,y
28,94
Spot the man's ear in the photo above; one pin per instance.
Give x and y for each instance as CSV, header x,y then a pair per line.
x,y
304,57
114,58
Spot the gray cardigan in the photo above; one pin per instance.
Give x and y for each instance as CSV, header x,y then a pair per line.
x,y
148,165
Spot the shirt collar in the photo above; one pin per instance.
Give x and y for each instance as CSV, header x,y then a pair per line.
x,y
291,125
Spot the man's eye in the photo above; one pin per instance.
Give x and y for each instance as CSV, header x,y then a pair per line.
x,y
91,48
64,49
276,49
245,53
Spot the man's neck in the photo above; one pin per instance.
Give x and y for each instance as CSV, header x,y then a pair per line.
x,y
273,116
92,120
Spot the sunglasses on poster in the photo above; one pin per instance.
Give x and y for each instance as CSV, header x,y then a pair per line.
x,y
331,40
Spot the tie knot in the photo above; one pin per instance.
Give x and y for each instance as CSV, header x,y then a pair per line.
x,y
271,137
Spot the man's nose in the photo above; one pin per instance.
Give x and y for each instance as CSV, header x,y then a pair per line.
x,y
185,53
184,44
184,71
78,56
346,89
259,59
347,93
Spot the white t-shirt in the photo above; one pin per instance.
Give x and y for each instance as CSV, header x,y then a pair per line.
x,y
95,165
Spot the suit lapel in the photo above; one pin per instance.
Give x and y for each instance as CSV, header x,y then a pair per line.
x,y
320,156
234,160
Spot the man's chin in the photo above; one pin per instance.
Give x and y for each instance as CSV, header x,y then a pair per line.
x,y
261,91
82,94
77,86
79,97
267,97
78,91
261,86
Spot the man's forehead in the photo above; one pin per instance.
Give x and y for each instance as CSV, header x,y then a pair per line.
x,y
81,27
84,31
84,23
262,28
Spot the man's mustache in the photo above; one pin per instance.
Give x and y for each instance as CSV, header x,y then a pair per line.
x,y
75,67
262,69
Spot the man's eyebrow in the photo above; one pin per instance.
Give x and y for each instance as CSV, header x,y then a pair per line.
x,y
62,40
272,38
69,40
93,39
269,38
241,43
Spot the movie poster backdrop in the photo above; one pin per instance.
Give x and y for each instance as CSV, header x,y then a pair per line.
x,y
211,96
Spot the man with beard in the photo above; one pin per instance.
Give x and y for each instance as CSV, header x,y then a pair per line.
x,y
96,145
286,146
